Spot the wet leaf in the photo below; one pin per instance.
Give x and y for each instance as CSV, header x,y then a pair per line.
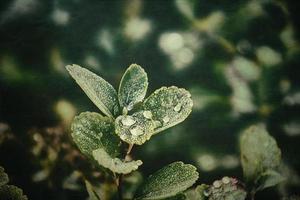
x,y
259,152
92,194
91,131
11,192
136,128
115,164
169,106
133,86
269,178
102,94
3,177
168,181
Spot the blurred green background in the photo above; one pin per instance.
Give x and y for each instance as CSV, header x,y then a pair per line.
x,y
239,59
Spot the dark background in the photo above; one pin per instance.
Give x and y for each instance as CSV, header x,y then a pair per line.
x,y
239,59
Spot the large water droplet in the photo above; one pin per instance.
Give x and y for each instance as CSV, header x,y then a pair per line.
x,y
177,108
147,114
136,131
166,119
128,121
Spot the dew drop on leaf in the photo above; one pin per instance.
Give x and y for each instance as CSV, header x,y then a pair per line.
x,y
136,131
177,107
147,114
166,119
128,121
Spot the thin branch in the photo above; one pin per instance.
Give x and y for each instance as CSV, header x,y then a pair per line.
x,y
120,177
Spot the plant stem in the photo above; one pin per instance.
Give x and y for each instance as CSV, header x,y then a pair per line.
x,y
120,178
252,194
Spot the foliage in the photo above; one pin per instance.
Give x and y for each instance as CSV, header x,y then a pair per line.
x,y
238,59
9,192
96,137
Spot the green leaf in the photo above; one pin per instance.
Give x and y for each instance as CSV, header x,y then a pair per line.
x,y
11,192
115,164
197,193
133,86
168,181
136,128
91,131
169,106
269,178
102,94
92,194
3,177
259,152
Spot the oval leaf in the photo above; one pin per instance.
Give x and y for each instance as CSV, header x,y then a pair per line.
x,y
259,152
133,86
169,106
102,94
269,178
136,128
91,131
168,181
115,164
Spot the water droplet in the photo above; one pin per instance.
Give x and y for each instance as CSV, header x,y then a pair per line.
x,y
130,106
147,114
226,180
136,131
217,184
177,107
128,121
166,119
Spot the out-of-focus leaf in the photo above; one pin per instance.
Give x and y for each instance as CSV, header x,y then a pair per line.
x,y
169,106
136,128
198,193
92,194
269,178
115,164
131,182
3,177
11,192
102,94
185,7
259,152
91,131
133,86
168,181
